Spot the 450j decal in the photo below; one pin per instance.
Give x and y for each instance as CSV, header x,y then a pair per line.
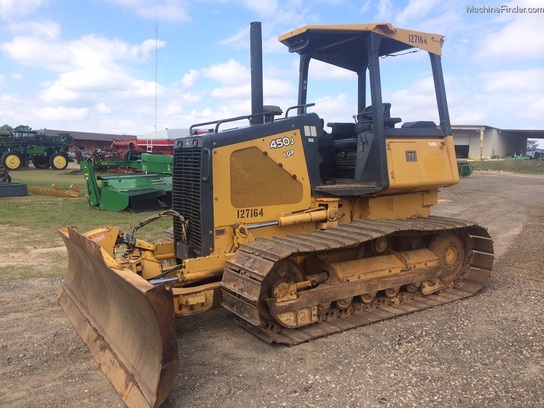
x,y
282,142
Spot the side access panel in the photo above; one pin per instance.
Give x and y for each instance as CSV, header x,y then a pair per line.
x,y
420,163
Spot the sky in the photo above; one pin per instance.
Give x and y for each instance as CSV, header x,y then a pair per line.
x,y
136,66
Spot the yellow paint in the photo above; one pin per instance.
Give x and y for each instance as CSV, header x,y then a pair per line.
x,y
425,41
420,164
276,176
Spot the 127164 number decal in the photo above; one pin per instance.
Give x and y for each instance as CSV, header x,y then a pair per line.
x,y
282,142
417,39
249,213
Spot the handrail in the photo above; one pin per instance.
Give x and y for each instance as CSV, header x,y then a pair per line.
x,y
221,121
305,106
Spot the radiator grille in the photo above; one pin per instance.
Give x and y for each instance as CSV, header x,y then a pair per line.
x,y
186,195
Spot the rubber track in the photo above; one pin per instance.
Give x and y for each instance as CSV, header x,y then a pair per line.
x,y
253,261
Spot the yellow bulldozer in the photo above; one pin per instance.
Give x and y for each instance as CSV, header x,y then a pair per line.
x,y
301,230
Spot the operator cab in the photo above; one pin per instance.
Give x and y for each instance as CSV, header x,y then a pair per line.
x,y
354,154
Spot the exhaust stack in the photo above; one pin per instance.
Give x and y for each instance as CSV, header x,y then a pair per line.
x,y
256,56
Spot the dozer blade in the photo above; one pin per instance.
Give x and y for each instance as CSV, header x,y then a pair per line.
x,y
127,323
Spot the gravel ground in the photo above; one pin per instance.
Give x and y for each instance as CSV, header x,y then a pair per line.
x,y
487,350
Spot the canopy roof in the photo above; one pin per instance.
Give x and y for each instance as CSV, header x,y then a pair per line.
x,y
346,46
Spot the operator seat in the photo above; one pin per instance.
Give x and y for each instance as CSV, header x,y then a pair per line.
x,y
345,134
339,148
366,116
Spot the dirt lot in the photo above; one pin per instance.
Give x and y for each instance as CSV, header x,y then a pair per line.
x,y
487,350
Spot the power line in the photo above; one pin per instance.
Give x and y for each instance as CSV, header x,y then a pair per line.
x,y
156,64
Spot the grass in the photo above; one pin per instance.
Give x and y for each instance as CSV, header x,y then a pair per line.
x,y
515,166
34,177
31,246
43,213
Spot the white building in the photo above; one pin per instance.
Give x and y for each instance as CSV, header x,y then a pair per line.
x,y
165,134
487,142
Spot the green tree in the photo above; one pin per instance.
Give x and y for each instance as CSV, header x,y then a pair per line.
x,y
23,127
6,127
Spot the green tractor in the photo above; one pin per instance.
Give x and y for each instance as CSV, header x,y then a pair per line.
x,y
20,147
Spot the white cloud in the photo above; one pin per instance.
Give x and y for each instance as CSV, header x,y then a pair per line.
x,y
263,8
86,66
384,10
103,108
504,99
231,92
167,10
365,7
416,102
329,2
123,125
337,108
270,44
57,93
514,81
10,9
140,89
61,114
90,49
514,97
534,110
10,111
239,39
278,17
320,70
468,117
424,15
415,10
513,36
274,88
95,78
40,29
190,78
28,50
234,88
229,73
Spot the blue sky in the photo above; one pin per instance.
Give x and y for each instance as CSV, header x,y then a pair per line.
x,y
90,65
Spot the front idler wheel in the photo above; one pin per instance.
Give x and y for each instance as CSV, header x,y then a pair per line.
x,y
279,284
451,253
